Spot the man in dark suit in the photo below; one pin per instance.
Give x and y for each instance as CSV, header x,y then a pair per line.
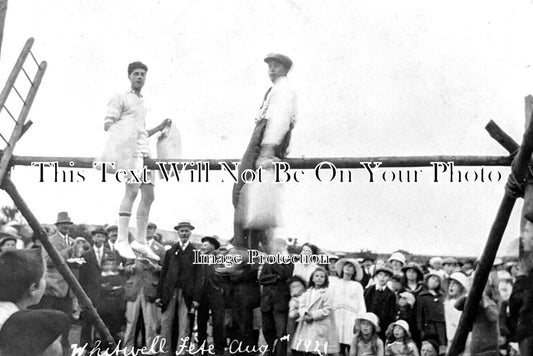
x,y
176,289
90,273
275,296
209,297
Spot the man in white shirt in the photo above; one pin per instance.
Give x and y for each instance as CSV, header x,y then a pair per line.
x,y
269,142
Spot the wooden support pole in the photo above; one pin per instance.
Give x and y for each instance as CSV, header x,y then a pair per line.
x,y
3,11
295,163
58,261
486,261
15,72
502,137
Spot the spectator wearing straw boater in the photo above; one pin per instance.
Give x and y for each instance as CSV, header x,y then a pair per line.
x,y
270,138
127,146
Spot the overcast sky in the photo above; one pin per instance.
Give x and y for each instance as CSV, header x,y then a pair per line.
x,y
373,78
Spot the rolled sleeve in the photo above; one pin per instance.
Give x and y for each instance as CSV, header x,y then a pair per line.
x,y
114,109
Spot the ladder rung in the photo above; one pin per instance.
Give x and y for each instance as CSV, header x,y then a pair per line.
x,y
9,112
35,60
27,76
20,96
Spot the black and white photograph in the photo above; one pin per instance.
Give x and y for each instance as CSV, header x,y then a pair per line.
x,y
266,178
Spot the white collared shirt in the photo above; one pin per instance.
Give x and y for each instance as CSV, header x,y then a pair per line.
x,y
99,254
65,238
280,110
184,246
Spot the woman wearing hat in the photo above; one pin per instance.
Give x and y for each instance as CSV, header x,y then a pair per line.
x,y
349,301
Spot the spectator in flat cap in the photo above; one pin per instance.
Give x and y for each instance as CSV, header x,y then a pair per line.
x,y
449,265
209,298
112,234
269,142
8,242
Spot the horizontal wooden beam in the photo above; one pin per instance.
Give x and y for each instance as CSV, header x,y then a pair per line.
x,y
295,163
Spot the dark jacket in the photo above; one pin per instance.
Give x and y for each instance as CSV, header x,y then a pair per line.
x,y
521,308
178,272
381,303
90,273
429,313
207,281
143,274
276,293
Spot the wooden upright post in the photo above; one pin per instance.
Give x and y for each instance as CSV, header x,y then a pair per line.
x,y
520,170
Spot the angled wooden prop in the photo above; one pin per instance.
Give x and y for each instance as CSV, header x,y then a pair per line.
x,y
7,184
520,169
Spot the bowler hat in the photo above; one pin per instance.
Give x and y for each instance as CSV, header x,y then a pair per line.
x,y
99,230
281,58
184,224
213,241
63,218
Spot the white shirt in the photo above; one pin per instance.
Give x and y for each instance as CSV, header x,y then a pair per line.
x,y
184,246
6,310
279,109
99,254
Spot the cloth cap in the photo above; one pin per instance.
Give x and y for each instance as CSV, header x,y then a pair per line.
x,y
449,261
213,241
397,256
5,237
339,265
281,58
184,224
99,230
31,332
111,228
371,317
63,218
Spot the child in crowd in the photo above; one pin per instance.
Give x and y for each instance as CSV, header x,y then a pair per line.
x,y
430,347
457,288
413,278
27,332
316,332
399,341
349,301
406,303
430,310
395,283
297,287
380,300
366,341
112,305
